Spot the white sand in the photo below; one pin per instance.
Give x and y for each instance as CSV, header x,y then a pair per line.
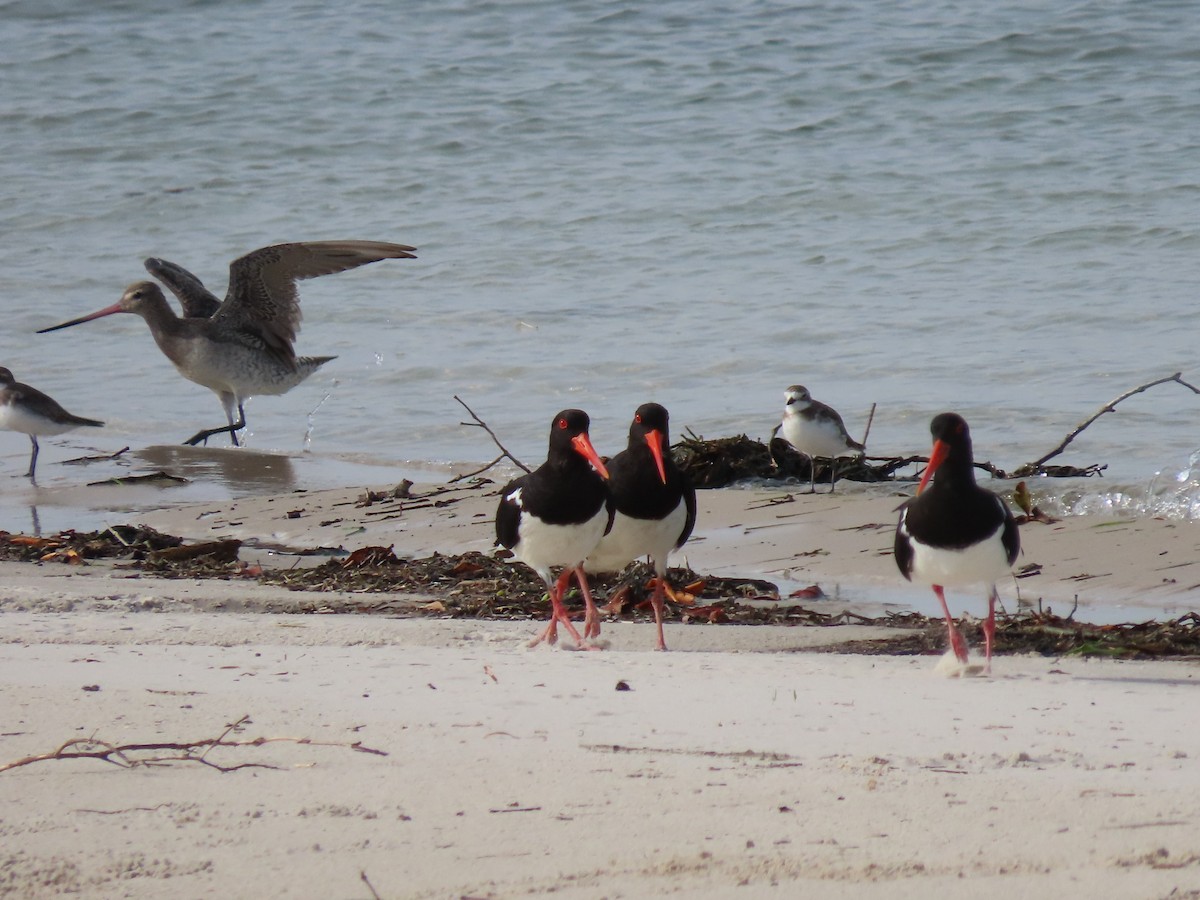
x,y
733,767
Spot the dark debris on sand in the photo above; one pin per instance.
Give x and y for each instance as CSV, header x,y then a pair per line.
x,y
373,580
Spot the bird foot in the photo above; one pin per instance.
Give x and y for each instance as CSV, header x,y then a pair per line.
x,y
591,624
953,667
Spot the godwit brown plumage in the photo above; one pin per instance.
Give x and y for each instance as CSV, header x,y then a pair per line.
x,y
655,507
29,411
956,533
245,346
555,515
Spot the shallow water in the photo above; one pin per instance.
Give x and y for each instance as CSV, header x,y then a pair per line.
x,y
927,207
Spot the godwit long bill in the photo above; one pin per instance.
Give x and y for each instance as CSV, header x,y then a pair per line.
x,y
29,411
244,346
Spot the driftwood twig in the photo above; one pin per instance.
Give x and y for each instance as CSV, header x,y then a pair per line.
x,y
1034,467
504,454
184,751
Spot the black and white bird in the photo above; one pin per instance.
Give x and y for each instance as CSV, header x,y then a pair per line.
x,y
817,432
557,514
29,411
655,505
956,534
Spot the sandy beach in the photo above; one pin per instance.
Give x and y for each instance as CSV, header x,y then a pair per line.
x,y
433,758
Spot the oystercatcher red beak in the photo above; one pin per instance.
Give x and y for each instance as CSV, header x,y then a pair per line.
x,y
936,457
583,446
655,441
107,311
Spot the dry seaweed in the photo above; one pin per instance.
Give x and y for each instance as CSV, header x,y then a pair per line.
x,y
373,580
117,541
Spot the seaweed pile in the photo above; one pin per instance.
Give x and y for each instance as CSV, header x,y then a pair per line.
x,y
373,580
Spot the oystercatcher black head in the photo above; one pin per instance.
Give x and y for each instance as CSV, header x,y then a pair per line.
x,y
555,515
953,532
655,504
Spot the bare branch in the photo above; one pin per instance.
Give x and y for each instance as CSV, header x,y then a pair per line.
x,y
870,419
1033,467
184,751
479,423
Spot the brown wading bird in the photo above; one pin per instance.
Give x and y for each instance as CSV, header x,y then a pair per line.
x,y
31,412
241,346
555,515
956,533
655,507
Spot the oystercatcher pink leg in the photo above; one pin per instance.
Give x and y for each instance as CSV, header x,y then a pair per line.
x,y
558,613
591,615
957,643
989,627
656,601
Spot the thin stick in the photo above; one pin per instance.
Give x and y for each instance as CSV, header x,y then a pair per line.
x,y
1106,408
870,419
370,887
479,423
117,753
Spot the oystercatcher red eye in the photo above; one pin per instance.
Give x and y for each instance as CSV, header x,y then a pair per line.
x,y
562,423
637,418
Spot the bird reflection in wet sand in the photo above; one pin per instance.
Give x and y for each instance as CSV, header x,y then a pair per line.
x,y
242,472
243,345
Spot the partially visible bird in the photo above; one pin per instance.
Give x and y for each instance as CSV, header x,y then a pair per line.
x,y
817,432
955,533
556,514
655,505
243,345
29,411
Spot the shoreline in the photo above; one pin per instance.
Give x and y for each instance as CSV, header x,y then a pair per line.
x,y
438,758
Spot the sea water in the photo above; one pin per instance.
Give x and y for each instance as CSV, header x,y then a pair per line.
x,y
989,208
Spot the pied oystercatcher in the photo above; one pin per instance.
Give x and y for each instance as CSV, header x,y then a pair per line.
x,y
556,515
816,431
31,412
956,533
655,505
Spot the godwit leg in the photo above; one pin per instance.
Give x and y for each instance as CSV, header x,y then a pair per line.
x,y
591,616
33,459
956,640
227,400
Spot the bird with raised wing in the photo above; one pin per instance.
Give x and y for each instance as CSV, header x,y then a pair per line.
x,y
244,346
